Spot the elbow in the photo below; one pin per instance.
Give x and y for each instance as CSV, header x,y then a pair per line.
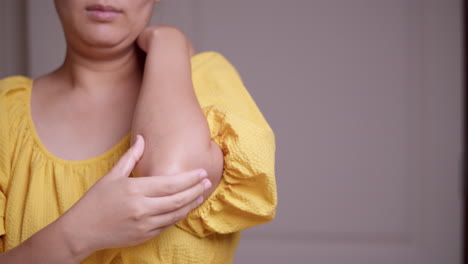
x,y
178,160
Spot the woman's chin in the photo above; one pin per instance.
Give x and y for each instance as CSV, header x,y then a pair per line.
x,y
103,41
105,36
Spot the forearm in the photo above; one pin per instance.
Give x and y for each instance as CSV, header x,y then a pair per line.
x,y
169,116
50,245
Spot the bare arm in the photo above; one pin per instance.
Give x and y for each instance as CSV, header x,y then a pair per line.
x,y
49,245
168,114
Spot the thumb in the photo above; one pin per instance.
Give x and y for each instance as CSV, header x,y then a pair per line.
x,y
127,162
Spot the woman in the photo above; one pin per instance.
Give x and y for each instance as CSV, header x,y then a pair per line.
x,y
67,191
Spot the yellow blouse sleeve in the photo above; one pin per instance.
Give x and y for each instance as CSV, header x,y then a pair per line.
x,y
246,195
4,154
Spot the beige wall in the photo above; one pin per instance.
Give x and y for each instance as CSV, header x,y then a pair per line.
x,y
13,51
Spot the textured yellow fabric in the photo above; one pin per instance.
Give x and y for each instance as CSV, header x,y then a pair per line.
x,y
36,187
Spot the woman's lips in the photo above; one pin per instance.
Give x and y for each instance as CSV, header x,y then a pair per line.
x,y
102,13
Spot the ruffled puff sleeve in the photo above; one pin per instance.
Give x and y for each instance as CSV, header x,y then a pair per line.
x,y
246,195
5,84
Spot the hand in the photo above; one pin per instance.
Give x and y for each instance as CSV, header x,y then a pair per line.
x,y
119,211
149,34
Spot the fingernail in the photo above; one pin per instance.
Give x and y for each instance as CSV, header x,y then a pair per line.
x,y
203,174
206,184
137,138
200,200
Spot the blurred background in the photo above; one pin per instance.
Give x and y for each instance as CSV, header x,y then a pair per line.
x,y
364,97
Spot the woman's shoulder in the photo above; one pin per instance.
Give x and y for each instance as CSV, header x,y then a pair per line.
x,y
14,95
14,83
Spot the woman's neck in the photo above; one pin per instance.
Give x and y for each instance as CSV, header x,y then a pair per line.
x,y
94,74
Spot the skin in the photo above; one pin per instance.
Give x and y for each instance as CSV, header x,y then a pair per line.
x,y
181,141
91,102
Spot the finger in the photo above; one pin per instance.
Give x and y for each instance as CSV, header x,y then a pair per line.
x,y
126,163
152,233
173,217
157,186
161,205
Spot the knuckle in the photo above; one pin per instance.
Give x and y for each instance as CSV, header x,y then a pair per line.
x,y
195,204
201,188
132,188
164,31
126,156
169,187
160,208
164,28
141,228
154,233
176,216
178,201
184,213
137,212
132,157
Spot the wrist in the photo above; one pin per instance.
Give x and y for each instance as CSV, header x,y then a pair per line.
x,y
73,244
161,34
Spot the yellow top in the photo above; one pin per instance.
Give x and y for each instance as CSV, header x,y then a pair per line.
x,y
36,187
